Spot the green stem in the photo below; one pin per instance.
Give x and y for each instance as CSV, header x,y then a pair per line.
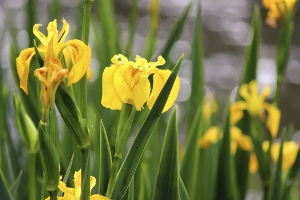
x,y
32,175
53,195
85,39
85,176
113,174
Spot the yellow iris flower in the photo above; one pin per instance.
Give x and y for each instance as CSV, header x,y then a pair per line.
x,y
238,139
127,82
80,53
74,193
255,104
289,155
277,10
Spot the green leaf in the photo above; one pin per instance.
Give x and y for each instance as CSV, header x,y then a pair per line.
x,y
182,190
283,51
275,189
252,50
14,188
4,188
190,161
105,160
175,32
135,153
226,185
197,80
167,183
49,157
66,176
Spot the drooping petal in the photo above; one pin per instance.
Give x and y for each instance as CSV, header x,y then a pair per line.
x,y
273,119
23,64
132,85
160,77
110,98
81,58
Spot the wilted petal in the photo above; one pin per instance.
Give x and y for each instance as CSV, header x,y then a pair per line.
x,y
132,85
23,64
110,98
81,58
160,77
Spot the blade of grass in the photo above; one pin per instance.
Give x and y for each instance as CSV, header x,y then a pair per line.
x,y
4,188
167,183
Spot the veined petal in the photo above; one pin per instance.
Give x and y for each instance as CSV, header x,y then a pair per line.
x,y
273,119
160,77
42,38
64,32
23,64
110,98
81,57
132,85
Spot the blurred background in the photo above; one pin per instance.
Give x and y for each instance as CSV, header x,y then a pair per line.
x,y
226,29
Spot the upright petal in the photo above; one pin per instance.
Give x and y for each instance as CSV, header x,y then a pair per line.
x,y
110,98
52,32
81,58
132,85
42,38
23,64
64,32
160,77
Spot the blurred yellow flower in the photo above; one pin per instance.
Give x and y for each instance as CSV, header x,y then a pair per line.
x,y
74,193
277,10
127,81
289,155
238,139
211,136
79,52
255,104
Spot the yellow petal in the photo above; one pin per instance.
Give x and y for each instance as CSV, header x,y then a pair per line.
x,y
289,153
62,186
253,163
210,136
244,142
273,119
77,179
52,32
42,38
110,98
132,85
236,111
81,58
64,32
98,197
23,64
160,77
